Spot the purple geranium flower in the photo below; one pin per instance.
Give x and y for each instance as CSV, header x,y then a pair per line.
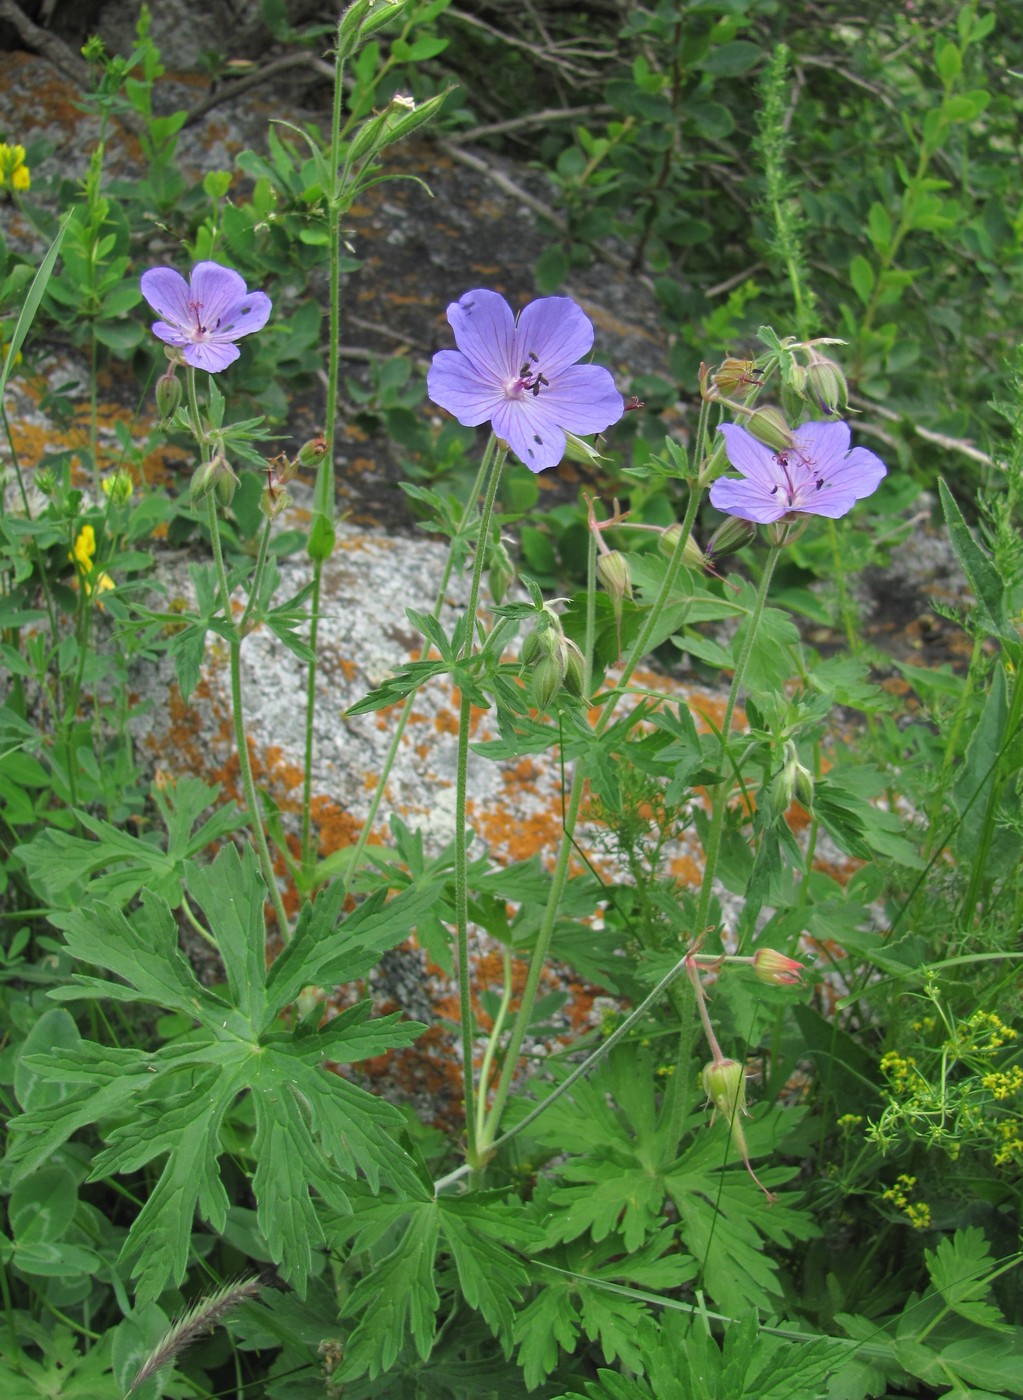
x,y
523,377
817,475
206,314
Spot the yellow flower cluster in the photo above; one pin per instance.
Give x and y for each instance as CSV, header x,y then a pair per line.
x,y
1010,1149
898,1069
1003,1083
918,1213
83,553
981,1034
13,170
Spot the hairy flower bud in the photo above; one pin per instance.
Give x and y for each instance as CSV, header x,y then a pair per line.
x,y
548,675
271,503
776,969
734,373
724,1083
575,669
312,453
768,426
692,555
613,572
826,384
168,394
730,536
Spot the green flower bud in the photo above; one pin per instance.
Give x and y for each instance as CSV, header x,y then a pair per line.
x,y
118,487
768,426
532,648
730,536
734,373
613,572
225,482
548,675
46,480
776,969
202,483
724,1083
168,394
826,383
692,554
575,669
312,453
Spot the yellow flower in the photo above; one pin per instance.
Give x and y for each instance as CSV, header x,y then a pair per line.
x,y
84,549
82,554
13,170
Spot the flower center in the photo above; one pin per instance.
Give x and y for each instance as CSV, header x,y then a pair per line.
x,y
201,331
529,381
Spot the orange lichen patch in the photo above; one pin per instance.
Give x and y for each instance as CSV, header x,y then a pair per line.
x,y
348,668
686,870
446,722
335,827
520,835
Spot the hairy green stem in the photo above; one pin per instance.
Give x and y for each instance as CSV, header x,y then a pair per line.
x,y
461,785
323,508
712,846
580,1070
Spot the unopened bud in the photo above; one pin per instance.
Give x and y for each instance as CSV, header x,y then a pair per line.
x,y
224,482
826,384
776,969
168,394
548,674
730,536
613,572
724,1083
312,453
768,426
46,480
734,373
692,554
575,669
118,487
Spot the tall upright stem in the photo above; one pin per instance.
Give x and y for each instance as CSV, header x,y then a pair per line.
x,y
461,786
712,846
321,541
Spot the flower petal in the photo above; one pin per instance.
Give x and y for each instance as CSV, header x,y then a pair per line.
x,y
171,334
167,293
583,399
250,314
534,437
484,330
218,292
212,356
556,331
453,382
752,458
822,445
749,500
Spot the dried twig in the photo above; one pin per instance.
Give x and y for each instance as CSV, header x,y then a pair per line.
x,y
42,42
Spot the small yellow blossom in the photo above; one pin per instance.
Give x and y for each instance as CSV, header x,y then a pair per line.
x,y
82,554
13,170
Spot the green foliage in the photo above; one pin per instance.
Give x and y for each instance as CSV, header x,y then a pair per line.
x,y
309,1129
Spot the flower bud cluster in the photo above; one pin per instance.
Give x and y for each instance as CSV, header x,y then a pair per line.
x,y
214,477
554,660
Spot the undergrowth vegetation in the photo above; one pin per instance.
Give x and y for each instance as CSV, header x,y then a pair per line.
x,y
783,1158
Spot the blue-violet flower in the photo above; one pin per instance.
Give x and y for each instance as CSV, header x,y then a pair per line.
x,y
203,316
523,377
817,475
